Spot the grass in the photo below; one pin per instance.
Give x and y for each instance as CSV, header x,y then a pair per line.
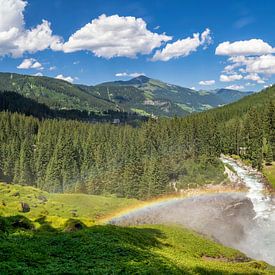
x,y
185,107
58,207
106,249
269,173
60,236
140,111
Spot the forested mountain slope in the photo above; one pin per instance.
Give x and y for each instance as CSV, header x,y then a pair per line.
x,y
141,95
247,127
70,156
172,98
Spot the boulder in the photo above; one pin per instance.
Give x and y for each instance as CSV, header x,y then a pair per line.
x,y
25,207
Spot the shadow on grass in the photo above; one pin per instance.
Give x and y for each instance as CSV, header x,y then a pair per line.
x,y
101,249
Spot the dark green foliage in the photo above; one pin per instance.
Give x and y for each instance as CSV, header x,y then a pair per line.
x,y
72,156
14,102
69,156
109,249
15,223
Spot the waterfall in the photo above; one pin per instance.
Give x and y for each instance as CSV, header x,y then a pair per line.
x,y
260,240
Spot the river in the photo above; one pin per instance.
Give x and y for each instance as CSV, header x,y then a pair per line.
x,y
262,236
242,220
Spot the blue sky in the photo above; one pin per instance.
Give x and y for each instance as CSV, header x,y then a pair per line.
x,y
77,42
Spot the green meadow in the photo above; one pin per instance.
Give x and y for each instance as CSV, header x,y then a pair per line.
x,y
61,234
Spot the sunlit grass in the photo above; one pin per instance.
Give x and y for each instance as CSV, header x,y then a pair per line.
x,y
269,173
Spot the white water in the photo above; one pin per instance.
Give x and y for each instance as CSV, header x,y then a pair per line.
x,y
262,202
244,221
260,240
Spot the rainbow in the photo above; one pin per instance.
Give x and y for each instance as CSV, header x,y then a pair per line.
x,y
164,199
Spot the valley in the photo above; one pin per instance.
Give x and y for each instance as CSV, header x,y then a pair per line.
x,y
141,95
137,137
64,180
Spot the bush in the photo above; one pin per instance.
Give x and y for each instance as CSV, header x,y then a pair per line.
x,y
72,225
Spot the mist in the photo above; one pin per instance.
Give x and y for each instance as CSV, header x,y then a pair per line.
x,y
245,221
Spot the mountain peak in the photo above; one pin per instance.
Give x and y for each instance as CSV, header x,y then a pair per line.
x,y
141,79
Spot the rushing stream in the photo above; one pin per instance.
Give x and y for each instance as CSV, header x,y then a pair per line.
x,y
262,203
245,221
261,237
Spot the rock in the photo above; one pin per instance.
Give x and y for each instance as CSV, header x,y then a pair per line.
x,y
42,198
74,225
74,212
25,207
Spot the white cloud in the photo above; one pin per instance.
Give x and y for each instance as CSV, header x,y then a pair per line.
x,y
114,36
52,68
235,87
207,82
254,77
30,63
193,88
264,64
128,74
245,47
66,78
183,47
267,86
15,39
229,78
38,74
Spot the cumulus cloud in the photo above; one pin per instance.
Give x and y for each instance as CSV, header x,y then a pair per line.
x,y
254,77
207,82
183,47
124,74
30,63
65,78
245,47
52,68
229,78
264,64
115,36
235,87
15,39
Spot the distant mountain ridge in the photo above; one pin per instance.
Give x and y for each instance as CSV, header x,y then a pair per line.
x,y
141,94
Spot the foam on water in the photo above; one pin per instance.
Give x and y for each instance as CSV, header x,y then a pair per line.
x,y
262,202
260,238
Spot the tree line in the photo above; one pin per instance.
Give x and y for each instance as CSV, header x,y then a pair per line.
x,y
71,156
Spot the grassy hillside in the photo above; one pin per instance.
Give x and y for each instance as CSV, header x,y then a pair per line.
x,y
115,250
54,238
148,96
57,207
55,93
169,100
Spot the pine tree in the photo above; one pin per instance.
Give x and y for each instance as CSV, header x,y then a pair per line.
x,y
26,163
